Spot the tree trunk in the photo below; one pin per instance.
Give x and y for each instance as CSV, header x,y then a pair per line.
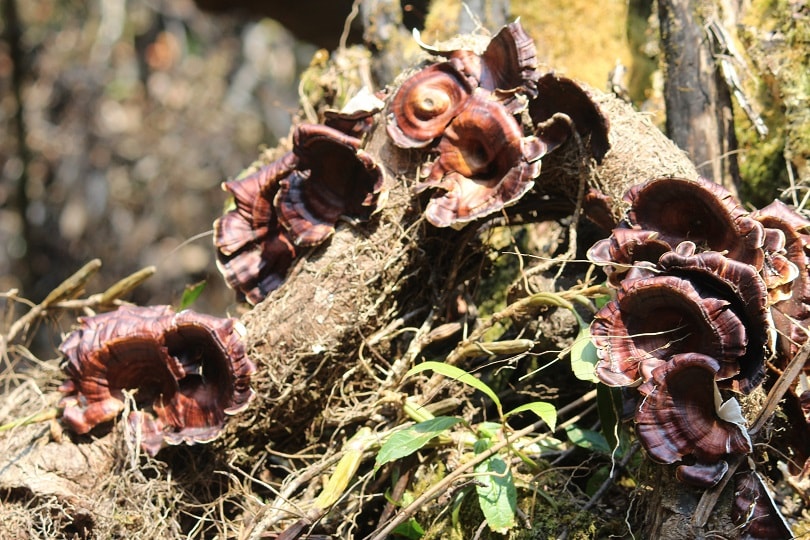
x,y
698,103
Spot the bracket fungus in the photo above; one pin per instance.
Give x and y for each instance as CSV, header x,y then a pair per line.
x,y
791,310
484,164
292,202
468,111
684,408
186,371
333,178
481,117
656,317
253,251
705,290
755,512
425,103
700,211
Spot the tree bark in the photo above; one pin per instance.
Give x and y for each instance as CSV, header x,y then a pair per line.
x,y
698,103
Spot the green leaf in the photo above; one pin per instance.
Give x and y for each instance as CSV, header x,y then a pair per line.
x,y
190,294
458,374
588,439
410,529
546,411
409,440
497,495
488,430
584,357
601,300
596,480
609,407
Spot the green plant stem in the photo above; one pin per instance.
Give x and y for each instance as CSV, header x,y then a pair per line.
x,y
41,416
443,485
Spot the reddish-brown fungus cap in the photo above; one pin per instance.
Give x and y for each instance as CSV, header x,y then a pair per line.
x,y
624,249
682,416
598,208
253,252
747,295
792,311
112,352
357,117
557,94
425,104
755,512
484,164
334,178
696,210
187,371
656,317
505,67
702,475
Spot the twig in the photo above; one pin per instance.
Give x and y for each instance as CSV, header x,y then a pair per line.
x,y
62,296
41,416
710,497
65,289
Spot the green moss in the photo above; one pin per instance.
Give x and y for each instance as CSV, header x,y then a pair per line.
x,y
776,37
761,161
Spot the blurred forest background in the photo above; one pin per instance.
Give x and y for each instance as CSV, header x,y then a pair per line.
x,y
120,118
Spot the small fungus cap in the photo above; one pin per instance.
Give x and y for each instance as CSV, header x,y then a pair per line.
x,y
253,251
333,178
685,416
425,103
187,372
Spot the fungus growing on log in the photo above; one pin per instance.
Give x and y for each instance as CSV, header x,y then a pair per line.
x,y
745,291
333,178
484,164
425,103
186,373
294,201
657,317
699,282
253,251
791,312
683,416
628,250
754,511
700,211
467,110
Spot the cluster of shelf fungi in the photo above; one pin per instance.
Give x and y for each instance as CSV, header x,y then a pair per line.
x,y
709,297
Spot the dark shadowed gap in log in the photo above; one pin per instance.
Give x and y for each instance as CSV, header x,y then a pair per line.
x,y
698,104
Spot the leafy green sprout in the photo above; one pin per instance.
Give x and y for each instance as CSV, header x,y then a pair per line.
x,y
495,485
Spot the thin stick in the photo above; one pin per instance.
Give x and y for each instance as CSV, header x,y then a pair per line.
x,y
66,289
